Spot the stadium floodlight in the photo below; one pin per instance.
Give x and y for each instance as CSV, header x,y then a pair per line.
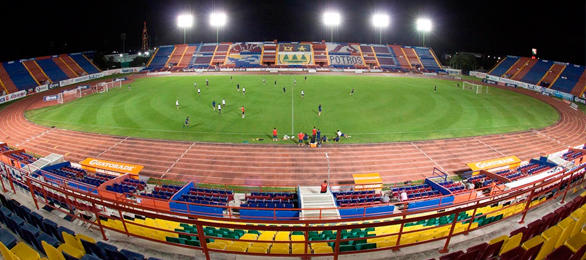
x,y
185,21
423,26
380,21
146,53
218,19
332,19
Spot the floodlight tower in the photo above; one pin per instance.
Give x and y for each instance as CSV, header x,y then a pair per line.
x,y
218,19
331,19
423,26
184,21
380,21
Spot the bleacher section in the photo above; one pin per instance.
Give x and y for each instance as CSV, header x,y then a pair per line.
x,y
22,157
386,58
571,155
368,55
127,186
69,72
415,191
453,187
72,64
413,58
207,196
537,71
569,78
271,200
269,53
551,75
221,53
164,192
502,67
186,57
427,59
525,68
320,53
6,82
356,198
84,63
51,69
558,235
65,170
203,57
401,57
580,87
161,56
516,67
344,55
244,55
176,55
35,70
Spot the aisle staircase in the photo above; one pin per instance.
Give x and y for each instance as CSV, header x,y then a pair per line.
x,y
311,198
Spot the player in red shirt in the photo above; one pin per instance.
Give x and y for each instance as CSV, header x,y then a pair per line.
x,y
242,108
324,187
300,135
275,135
314,132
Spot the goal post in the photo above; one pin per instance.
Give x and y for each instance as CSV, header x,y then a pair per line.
x,y
476,88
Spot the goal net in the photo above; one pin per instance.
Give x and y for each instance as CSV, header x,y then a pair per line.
x,y
103,87
475,88
69,95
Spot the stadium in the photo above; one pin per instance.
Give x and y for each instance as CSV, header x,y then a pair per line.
x,y
331,148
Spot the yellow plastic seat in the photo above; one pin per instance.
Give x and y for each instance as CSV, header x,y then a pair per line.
x,y
576,242
249,236
236,248
52,252
511,243
25,252
550,237
532,242
6,253
299,250
74,242
579,216
297,238
264,245
567,225
217,245
319,244
323,250
256,249
279,250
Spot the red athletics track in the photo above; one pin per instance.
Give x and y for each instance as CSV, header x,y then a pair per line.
x,y
288,164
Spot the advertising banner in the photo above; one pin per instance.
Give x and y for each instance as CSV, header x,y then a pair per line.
x,y
54,85
50,98
110,166
294,54
494,163
346,60
42,88
17,95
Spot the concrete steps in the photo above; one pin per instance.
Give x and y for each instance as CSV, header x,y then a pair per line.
x,y
311,198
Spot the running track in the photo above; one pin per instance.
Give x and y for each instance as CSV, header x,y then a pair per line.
x,y
288,164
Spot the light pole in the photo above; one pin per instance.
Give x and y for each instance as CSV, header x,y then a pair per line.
x,y
380,21
184,21
331,19
424,26
218,19
328,159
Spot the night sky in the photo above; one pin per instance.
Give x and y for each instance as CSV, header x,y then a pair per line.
x,y
494,27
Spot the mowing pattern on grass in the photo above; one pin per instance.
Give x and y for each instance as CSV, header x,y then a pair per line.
x,y
382,109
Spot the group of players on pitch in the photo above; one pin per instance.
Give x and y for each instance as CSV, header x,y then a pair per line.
x,y
303,138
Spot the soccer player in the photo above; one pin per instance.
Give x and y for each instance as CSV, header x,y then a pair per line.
x,y
314,132
230,77
243,91
238,87
223,102
300,136
284,90
275,135
319,110
198,92
207,83
435,89
220,109
264,81
194,84
302,94
352,92
305,78
242,108
294,82
214,105
177,103
186,124
275,82
318,135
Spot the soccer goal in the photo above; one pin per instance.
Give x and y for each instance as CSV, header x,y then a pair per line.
x,y
476,88
69,95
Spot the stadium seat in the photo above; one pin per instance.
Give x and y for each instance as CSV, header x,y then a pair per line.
x,y
7,238
257,249
511,243
550,237
25,252
52,252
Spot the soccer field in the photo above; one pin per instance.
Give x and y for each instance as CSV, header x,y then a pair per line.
x,y
382,109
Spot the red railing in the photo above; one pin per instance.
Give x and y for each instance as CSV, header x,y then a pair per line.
x,y
88,202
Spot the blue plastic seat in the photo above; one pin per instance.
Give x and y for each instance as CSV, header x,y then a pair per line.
x,y
14,223
4,214
131,255
42,236
29,233
50,228
7,238
90,257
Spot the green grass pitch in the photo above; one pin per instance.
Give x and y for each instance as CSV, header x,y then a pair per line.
x,y
383,109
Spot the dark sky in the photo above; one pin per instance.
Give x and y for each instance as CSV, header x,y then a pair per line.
x,y
494,27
